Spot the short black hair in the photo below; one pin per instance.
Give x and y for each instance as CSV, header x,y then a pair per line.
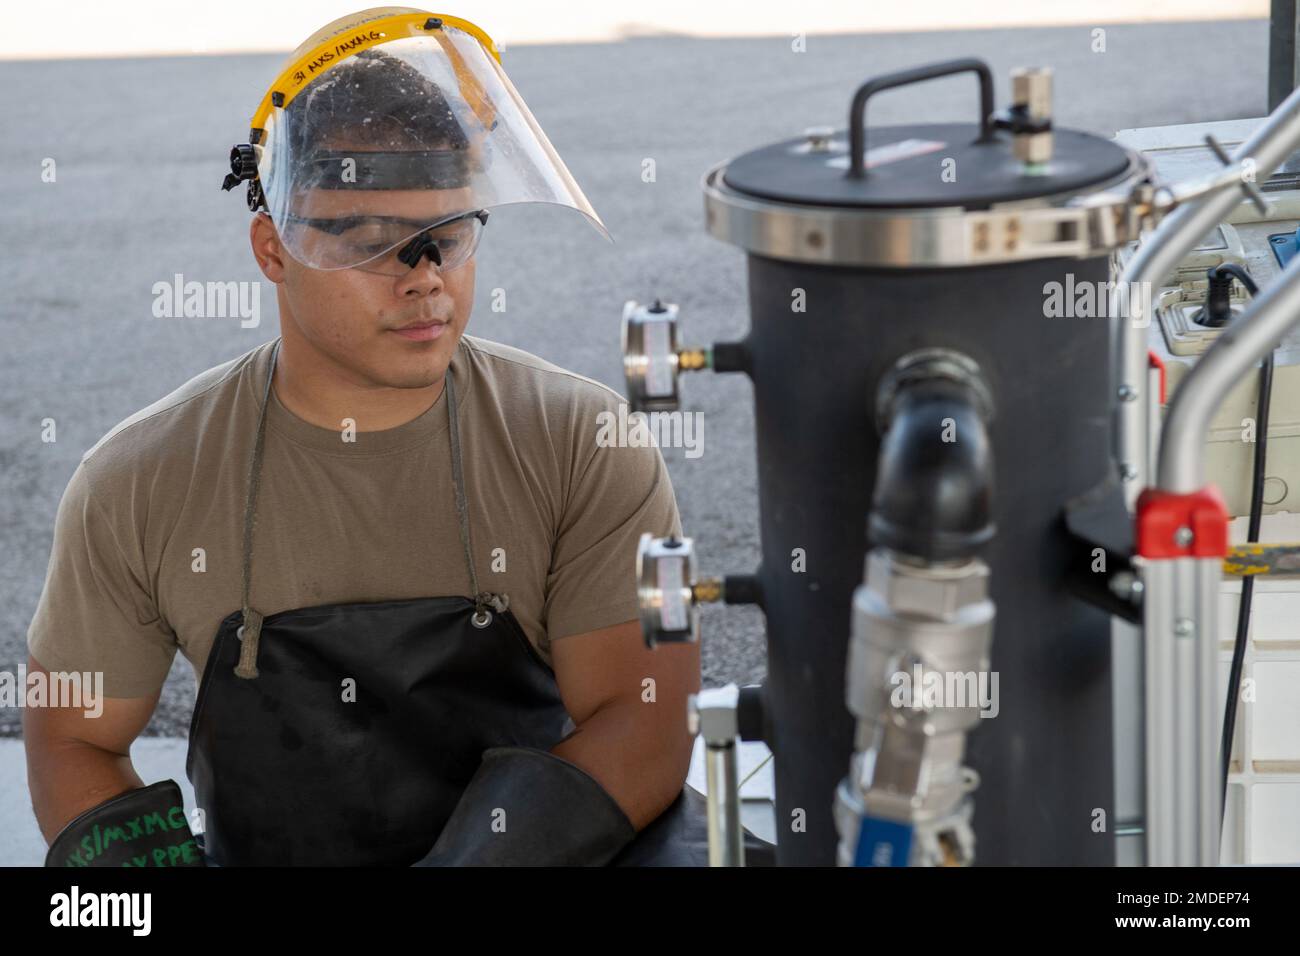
x,y
400,108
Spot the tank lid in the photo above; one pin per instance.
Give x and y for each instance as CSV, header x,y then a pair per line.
x,y
922,166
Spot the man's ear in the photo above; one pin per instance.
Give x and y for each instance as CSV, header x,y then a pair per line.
x,y
267,250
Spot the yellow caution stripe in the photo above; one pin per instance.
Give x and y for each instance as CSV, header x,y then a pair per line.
x,y
1245,560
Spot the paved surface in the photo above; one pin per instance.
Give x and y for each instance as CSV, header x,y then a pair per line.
x,y
141,146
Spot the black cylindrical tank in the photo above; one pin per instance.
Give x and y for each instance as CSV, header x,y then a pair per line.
x,y
949,238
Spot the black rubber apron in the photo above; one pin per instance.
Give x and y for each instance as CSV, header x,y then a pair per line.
x,y
345,734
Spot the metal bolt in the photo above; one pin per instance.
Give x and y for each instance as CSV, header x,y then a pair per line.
x,y
1183,627
1129,472
1125,586
819,138
1183,536
1127,393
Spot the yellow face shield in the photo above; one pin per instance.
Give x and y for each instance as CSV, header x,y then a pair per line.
x,y
385,127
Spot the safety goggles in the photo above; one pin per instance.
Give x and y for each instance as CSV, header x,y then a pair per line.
x,y
389,245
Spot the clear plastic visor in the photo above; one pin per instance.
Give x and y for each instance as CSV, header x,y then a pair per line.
x,y
398,138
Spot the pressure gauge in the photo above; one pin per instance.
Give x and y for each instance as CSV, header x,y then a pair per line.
x,y
665,571
650,360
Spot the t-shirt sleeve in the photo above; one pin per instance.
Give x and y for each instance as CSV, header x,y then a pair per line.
x,y
622,493
95,612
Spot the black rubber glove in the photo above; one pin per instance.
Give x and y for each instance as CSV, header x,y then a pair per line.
x,y
142,827
527,807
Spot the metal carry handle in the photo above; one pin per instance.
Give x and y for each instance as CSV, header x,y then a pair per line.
x,y
857,111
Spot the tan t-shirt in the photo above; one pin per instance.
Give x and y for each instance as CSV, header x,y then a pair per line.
x,y
146,555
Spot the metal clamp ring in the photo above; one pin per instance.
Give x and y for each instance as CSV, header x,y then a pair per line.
x,y
239,632
482,618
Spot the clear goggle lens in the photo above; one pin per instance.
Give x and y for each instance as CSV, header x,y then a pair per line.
x,y
389,245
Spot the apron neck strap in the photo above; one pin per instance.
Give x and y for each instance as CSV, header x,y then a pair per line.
x,y
250,631
482,599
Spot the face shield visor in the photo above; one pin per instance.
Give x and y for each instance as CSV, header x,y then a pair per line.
x,y
388,138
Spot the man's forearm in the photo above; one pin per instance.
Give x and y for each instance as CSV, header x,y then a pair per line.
x,y
66,779
642,763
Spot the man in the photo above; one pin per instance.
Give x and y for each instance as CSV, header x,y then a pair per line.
x,y
395,552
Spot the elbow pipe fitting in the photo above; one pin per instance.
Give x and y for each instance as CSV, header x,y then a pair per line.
x,y
933,496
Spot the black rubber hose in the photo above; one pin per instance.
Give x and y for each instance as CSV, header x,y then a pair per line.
x,y
1252,535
